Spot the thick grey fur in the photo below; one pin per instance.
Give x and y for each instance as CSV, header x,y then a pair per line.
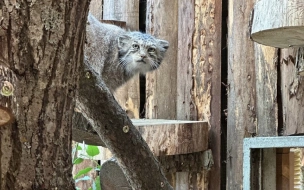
x,y
122,54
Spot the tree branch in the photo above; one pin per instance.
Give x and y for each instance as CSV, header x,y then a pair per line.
x,y
116,130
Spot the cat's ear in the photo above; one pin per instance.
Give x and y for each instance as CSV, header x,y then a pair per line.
x,y
164,44
123,40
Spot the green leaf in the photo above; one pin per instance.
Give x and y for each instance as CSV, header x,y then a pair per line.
x,y
79,147
92,150
77,161
82,172
97,183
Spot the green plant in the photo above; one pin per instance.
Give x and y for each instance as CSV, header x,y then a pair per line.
x,y
78,158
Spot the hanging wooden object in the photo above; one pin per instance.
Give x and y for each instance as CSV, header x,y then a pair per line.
x,y
278,23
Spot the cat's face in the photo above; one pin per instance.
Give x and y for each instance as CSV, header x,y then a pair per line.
x,y
140,52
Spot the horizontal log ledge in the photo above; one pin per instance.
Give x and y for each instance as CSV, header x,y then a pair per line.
x,y
171,137
164,137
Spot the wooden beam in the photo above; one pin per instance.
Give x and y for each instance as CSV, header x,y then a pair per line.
x,y
241,121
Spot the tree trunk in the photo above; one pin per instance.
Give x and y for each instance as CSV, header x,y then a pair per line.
x,y
41,48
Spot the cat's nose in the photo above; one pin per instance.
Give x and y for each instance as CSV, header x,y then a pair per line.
x,y
143,55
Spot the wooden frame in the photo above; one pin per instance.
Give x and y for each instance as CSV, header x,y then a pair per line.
x,y
265,142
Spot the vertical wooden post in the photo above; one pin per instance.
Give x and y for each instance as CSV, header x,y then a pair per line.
x,y
162,22
266,60
206,90
241,93
292,90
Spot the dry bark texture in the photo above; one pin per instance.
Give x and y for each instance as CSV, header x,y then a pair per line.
x,y
118,133
43,45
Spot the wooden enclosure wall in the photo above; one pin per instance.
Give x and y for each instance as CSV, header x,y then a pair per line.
x,y
187,85
264,97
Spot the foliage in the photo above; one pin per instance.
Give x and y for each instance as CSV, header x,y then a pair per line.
x,y
79,157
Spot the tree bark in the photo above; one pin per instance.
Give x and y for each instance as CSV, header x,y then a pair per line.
x,y
42,44
116,130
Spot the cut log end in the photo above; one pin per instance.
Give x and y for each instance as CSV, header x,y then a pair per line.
x,y
280,37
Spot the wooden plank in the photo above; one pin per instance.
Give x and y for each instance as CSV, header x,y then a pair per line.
x,y
96,9
184,104
241,93
175,138
292,90
282,172
141,122
206,90
162,21
269,169
266,60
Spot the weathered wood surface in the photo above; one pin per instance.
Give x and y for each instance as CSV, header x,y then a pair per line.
x,y
197,71
112,176
206,89
292,90
278,23
173,137
241,89
43,46
164,137
118,133
266,109
162,22
96,9
127,95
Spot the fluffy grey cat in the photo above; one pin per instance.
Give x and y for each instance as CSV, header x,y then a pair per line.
x,y
122,54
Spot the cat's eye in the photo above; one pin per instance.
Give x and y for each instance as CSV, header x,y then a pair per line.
x,y
135,46
151,50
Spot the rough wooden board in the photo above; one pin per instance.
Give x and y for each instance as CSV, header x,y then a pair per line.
x,y
96,9
241,89
164,137
162,21
266,61
176,138
206,61
147,122
278,23
185,109
292,90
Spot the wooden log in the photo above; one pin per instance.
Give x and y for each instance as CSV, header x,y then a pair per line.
x,y
278,23
241,93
